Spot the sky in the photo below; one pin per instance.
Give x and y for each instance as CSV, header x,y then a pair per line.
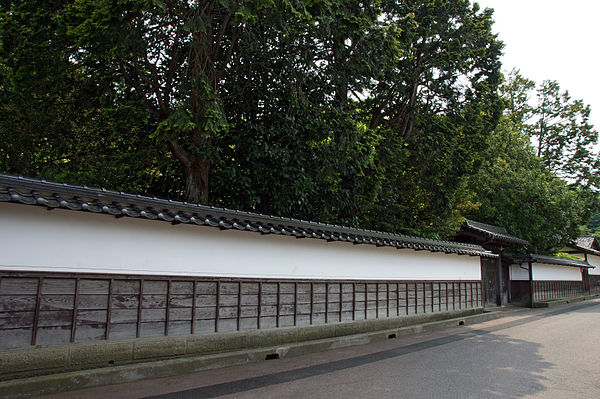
x,y
556,40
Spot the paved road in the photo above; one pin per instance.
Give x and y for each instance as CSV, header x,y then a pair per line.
x,y
527,354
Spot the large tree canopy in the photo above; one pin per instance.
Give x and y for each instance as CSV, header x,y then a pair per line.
x,y
564,137
60,120
434,104
519,184
375,113
177,56
514,189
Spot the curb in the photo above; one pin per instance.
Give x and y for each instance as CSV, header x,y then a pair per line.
x,y
74,380
559,302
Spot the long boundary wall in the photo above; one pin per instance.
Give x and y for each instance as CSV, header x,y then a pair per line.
x,y
35,239
75,276
56,308
54,322
80,283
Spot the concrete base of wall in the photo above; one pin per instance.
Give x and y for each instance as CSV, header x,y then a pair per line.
x,y
48,360
39,371
558,302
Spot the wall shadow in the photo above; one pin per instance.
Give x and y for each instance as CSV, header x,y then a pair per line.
x,y
486,366
470,364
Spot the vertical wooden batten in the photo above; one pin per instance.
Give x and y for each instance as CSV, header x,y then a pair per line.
x,y
406,297
312,301
109,308
295,302
278,304
141,300
239,306
217,306
168,308
259,310
36,315
353,301
194,293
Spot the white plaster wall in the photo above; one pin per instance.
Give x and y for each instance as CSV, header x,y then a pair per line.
x,y
545,272
594,261
518,273
33,238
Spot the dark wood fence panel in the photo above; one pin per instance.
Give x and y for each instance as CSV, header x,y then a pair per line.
x,y
546,290
552,290
55,308
594,284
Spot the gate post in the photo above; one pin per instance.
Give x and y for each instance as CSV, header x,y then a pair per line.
x,y
531,283
498,282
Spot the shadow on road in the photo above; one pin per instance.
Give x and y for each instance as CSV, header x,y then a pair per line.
x,y
487,366
473,364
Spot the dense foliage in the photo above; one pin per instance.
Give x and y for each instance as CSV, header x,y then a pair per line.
x,y
380,113
518,185
593,226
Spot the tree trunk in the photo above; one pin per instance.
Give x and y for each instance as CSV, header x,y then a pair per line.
x,y
196,181
196,173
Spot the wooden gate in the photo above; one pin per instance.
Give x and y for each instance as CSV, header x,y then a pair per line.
x,y
489,277
586,281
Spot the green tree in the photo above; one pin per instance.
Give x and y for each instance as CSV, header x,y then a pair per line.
x,y
57,121
514,189
564,137
295,146
371,114
593,226
517,189
35,85
175,56
434,104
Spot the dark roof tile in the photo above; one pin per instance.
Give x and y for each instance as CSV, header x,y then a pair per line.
x,y
552,260
494,233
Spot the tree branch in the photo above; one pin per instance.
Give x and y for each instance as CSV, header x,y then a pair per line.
x,y
181,153
136,85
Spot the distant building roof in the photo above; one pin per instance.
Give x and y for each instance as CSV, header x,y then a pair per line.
x,y
81,198
552,260
482,233
584,244
588,242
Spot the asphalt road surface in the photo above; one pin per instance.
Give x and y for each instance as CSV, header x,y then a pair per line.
x,y
551,353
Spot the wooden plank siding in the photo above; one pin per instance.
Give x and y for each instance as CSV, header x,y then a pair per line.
x,y
594,284
553,290
544,291
55,308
